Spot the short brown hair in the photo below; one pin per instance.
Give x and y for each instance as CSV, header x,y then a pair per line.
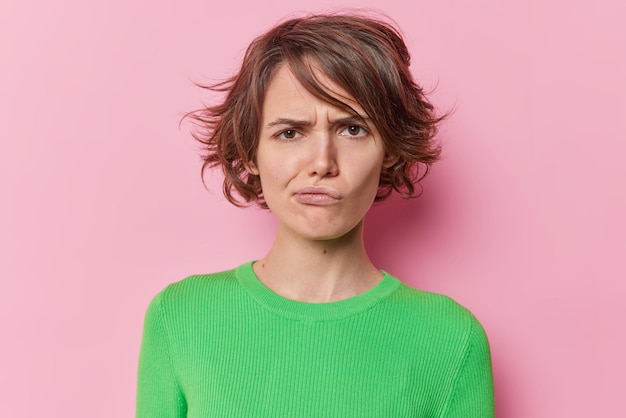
x,y
366,57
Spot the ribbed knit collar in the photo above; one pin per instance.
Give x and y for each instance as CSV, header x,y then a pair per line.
x,y
313,312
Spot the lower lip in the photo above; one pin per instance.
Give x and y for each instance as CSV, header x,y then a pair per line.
x,y
315,199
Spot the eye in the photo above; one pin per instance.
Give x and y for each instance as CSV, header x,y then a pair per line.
x,y
354,131
288,134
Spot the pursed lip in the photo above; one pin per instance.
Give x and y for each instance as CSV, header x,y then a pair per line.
x,y
317,195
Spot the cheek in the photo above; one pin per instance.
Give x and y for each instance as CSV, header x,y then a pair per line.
x,y
366,169
273,177
280,168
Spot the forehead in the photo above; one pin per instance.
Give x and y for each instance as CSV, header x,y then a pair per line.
x,y
286,93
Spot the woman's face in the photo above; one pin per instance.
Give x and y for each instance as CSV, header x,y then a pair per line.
x,y
319,166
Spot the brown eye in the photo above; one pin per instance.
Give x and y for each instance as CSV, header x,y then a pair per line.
x,y
288,134
354,131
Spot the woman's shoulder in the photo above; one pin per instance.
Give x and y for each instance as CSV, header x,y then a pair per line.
x,y
437,310
198,288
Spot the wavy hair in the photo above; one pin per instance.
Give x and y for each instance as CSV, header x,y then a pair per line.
x,y
366,57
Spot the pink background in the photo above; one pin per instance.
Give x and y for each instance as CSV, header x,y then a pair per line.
x,y
101,205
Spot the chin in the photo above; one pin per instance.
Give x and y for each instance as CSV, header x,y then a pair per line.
x,y
328,233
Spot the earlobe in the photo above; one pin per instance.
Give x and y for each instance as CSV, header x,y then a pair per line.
x,y
389,160
251,168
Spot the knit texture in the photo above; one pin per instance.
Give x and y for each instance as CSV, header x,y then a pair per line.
x,y
224,345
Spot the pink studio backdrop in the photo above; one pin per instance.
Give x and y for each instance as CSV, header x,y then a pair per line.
x,y
523,221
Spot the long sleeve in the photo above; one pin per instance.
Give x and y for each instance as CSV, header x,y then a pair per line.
x,y
472,393
158,392
225,345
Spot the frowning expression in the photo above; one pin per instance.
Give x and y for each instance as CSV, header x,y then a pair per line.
x,y
319,164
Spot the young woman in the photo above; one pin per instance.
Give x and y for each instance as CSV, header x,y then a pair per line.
x,y
322,120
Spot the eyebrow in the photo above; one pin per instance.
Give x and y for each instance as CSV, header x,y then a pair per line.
x,y
295,122
288,122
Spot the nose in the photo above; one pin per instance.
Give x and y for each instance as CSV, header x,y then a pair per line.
x,y
323,162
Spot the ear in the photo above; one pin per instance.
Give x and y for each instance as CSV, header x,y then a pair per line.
x,y
390,160
251,168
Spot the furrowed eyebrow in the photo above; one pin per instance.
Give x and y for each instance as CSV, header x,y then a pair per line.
x,y
295,122
351,120
288,122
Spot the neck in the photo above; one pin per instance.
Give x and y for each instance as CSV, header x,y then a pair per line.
x,y
318,270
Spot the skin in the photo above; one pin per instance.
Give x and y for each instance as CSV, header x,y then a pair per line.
x,y
319,168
